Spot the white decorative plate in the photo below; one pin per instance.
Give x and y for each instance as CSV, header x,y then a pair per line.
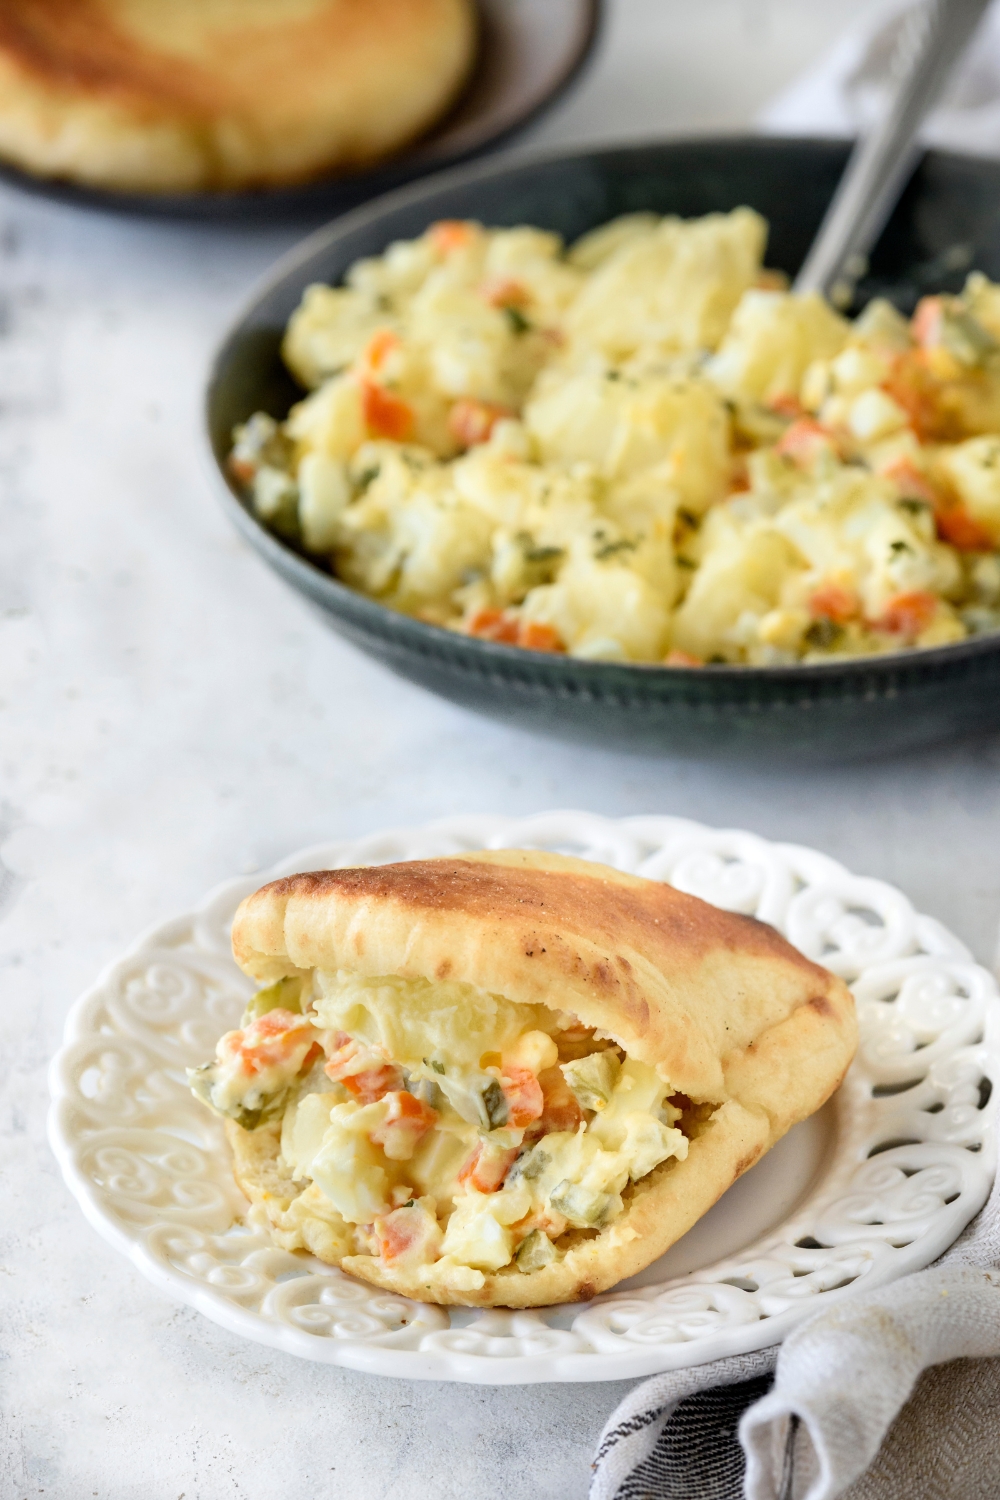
x,y
877,1184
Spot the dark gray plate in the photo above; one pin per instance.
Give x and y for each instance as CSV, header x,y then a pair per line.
x,y
832,711
530,52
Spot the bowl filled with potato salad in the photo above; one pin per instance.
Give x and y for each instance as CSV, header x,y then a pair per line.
x,y
606,474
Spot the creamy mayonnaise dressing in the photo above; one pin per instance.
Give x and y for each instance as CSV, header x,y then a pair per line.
x,y
442,1126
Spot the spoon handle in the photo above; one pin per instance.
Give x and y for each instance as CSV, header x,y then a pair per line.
x,y
933,36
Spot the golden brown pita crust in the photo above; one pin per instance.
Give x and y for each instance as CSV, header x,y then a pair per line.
x,y
682,985
142,94
720,1004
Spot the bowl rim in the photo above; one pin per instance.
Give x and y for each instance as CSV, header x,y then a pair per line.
x,y
303,200
471,653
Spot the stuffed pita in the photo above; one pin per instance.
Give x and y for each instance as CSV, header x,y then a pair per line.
x,y
510,1078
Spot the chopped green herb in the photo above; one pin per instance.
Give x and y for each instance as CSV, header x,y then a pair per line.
x,y
899,546
518,322
688,518
913,505
542,554
366,476
823,633
609,549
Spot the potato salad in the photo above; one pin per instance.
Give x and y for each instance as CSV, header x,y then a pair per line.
x,y
439,1127
640,448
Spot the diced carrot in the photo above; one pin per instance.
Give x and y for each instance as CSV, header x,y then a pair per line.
x,y
834,601
927,320
786,404
523,1094
470,422
405,1232
955,525
241,469
487,1167
493,625
276,1022
378,349
448,235
504,291
407,1121
397,1233
560,1108
374,1084
534,636
386,415
272,1039
313,1055
804,441
349,1056
911,483
739,481
908,614
676,658
912,385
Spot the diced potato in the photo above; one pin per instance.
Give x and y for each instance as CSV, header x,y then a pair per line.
x,y
328,331
674,288
331,420
772,340
743,574
601,600
324,495
348,1168
593,249
625,423
874,415
973,468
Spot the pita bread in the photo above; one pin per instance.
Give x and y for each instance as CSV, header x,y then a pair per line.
x,y
755,1035
142,95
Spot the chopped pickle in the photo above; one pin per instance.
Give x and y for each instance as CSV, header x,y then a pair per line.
x,y
427,1091
592,1079
249,1113
427,1120
531,1164
584,1207
966,338
495,1104
284,994
535,1251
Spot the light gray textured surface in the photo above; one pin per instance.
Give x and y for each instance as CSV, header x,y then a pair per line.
x,y
170,715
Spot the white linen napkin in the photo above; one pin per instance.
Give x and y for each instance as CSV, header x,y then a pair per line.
x,y
840,1385
847,89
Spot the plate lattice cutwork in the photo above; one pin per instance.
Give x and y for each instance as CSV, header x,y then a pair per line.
x,y
910,1163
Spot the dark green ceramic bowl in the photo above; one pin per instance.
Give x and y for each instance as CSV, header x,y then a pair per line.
x,y
948,219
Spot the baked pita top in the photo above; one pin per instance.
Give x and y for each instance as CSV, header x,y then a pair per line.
x,y
181,95
720,1004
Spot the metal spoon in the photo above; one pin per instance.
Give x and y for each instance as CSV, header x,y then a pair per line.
x,y
933,37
